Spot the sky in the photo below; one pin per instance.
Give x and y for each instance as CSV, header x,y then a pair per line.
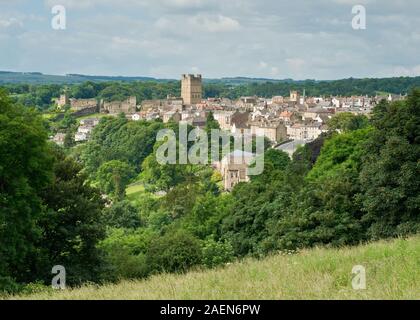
x,y
298,39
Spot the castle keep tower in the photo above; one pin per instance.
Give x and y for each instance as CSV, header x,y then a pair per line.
x,y
191,88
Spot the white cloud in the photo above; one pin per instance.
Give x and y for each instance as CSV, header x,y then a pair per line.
x,y
295,63
406,71
353,2
146,4
263,65
10,23
268,69
73,4
11,27
185,3
218,23
274,71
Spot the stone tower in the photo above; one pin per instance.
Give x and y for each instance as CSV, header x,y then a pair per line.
x,y
294,96
191,88
63,100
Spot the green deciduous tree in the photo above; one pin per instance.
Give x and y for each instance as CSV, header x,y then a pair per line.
x,y
113,178
211,123
347,121
118,139
122,215
25,169
71,223
389,178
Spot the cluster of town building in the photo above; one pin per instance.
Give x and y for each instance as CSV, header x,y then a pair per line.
x,y
280,119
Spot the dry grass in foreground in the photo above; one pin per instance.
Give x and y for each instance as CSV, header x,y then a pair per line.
x,y
392,272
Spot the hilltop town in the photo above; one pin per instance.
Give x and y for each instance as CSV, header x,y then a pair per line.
x,y
285,122
296,117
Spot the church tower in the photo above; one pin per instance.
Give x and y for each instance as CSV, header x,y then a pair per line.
x,y
294,96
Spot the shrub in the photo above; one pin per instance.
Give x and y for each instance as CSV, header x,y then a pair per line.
x,y
124,265
216,253
8,285
125,253
173,252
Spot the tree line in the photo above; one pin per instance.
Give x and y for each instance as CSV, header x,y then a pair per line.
x,y
40,96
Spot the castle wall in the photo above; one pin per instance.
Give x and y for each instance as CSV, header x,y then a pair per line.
x,y
127,106
80,104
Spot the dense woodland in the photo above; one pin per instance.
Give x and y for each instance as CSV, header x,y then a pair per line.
x,y
41,95
70,206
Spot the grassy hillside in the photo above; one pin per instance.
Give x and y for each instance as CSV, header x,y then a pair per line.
x,y
392,272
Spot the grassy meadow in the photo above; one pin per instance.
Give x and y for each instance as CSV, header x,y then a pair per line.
x,y
134,190
392,272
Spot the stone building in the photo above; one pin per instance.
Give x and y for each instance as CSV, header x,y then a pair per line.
x,y
59,138
81,136
239,123
234,167
89,122
314,113
195,121
84,131
174,104
223,118
171,115
191,88
275,131
306,131
147,105
277,100
287,116
127,106
168,104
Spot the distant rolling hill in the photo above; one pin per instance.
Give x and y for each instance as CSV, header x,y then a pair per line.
x,y
251,86
40,78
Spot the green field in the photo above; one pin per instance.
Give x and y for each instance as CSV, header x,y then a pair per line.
x,y
392,272
94,115
133,191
